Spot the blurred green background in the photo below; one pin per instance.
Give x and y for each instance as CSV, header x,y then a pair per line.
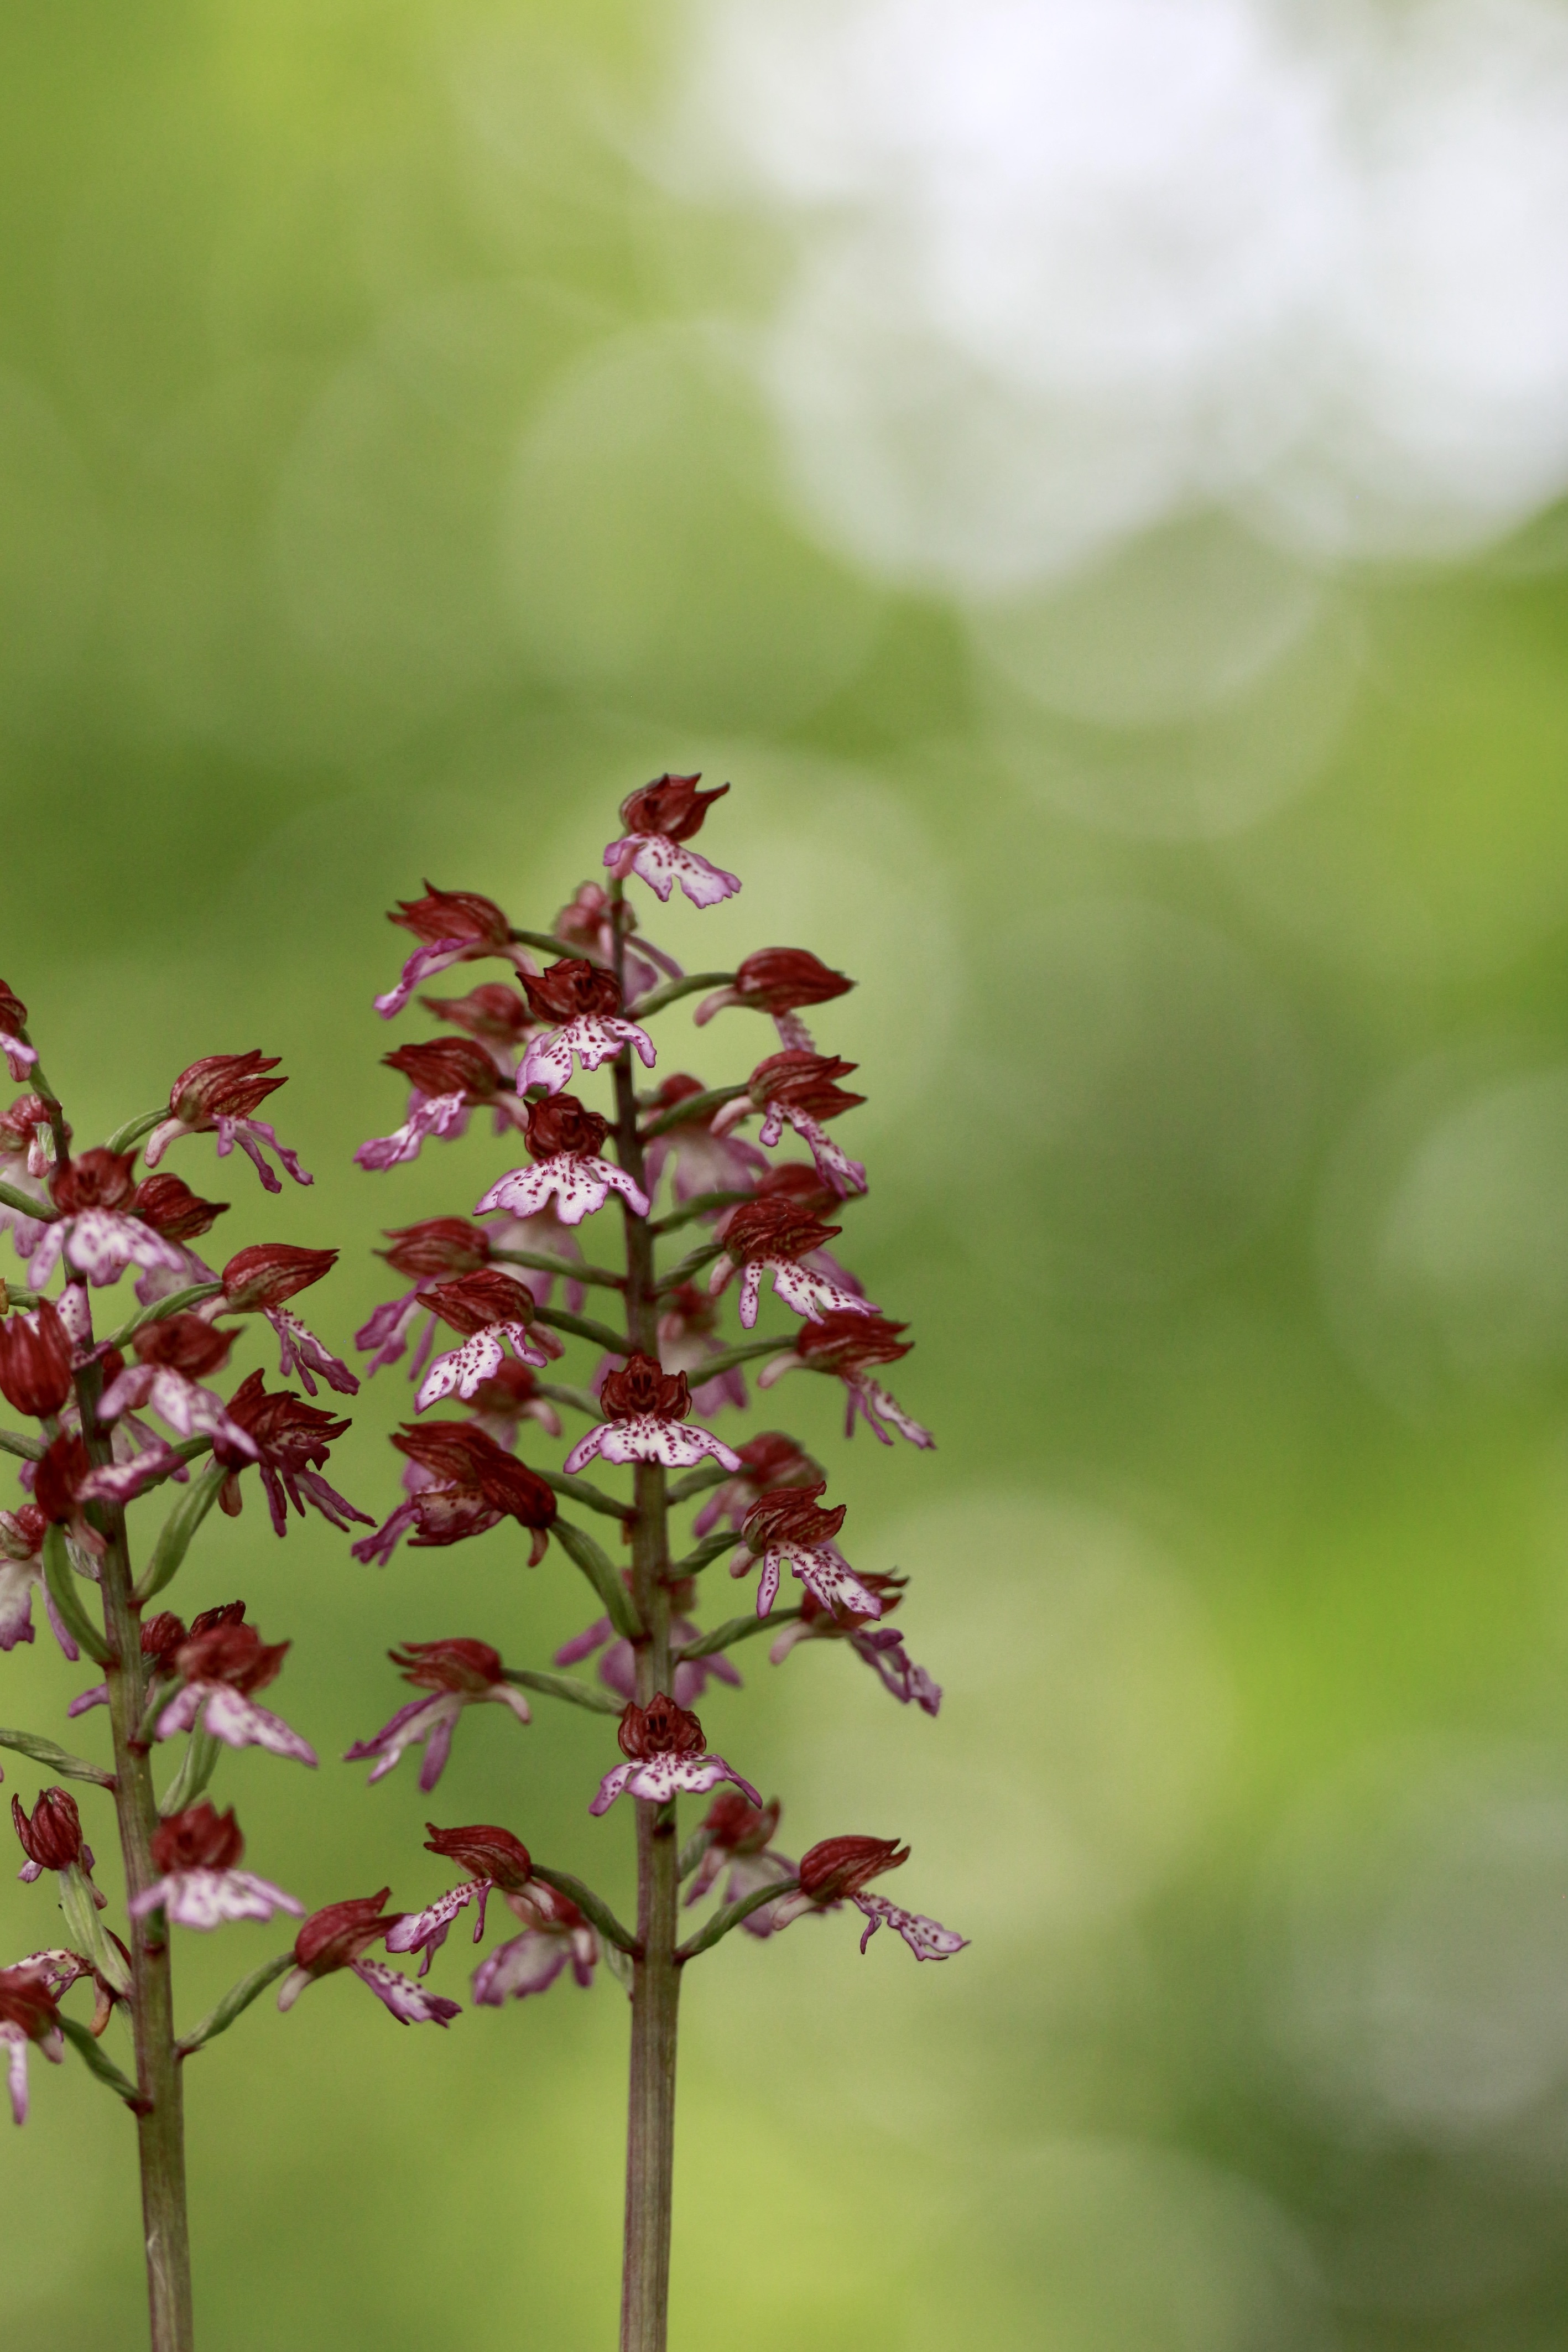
x,y
400,462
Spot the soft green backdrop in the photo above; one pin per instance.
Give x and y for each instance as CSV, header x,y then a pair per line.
x,y
380,501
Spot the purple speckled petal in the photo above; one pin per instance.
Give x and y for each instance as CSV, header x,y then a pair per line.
x,y
837,1169
812,1294
425,1931
407,2003
529,1963
237,1720
926,1938
610,1787
435,957
300,1352
645,1438
211,1898
441,1115
660,863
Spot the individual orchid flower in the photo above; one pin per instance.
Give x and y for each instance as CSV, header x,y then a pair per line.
x,y
555,1930
36,1361
849,1345
222,1669
173,1355
290,1441
486,1307
774,1236
95,1232
474,1485
452,926
706,1160
26,1148
659,820
584,1002
435,1250
789,1529
618,1666
256,1281
450,1078
801,1090
29,2016
219,1095
500,1404
740,1835
339,1938
197,1853
590,925
563,1141
768,1462
52,1838
778,981
800,1183
837,1871
493,1014
161,1636
20,1056
666,1755
645,1410
879,1646
180,1216
22,1534
459,1672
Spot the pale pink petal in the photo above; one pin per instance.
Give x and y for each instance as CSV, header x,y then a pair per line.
x,y
181,1712
529,1963
293,1985
250,1134
751,1289
442,1116
407,2003
610,1787
926,1938
662,1777
811,1294
19,1057
768,1583
644,1438
825,1572
18,1578
435,957
409,1726
583,1452
662,863
100,1244
428,1930
230,1717
301,1352
837,1169
466,1366
17,2070
211,1898
877,1401
525,1191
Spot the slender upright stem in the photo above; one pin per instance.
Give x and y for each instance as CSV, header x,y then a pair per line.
x,y
160,2122
656,1977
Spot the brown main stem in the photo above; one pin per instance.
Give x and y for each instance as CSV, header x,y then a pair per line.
x,y
656,1977
161,2119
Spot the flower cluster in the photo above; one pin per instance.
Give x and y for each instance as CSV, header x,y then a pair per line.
x,y
578,1002
148,1410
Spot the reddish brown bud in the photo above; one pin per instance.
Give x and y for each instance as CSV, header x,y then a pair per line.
x,y
53,1837
18,1119
840,1866
493,1012
168,1204
804,1082
98,1178
13,1012
185,1344
231,1654
269,1272
22,1532
670,805
26,2001
799,1182
485,1852
223,1085
772,1459
162,1636
200,1838
455,1663
336,1937
59,1476
443,915
564,991
779,980
774,1227
734,1822
791,1516
642,1386
475,1300
560,1123
447,1065
227,1612
438,1245
660,1728
35,1360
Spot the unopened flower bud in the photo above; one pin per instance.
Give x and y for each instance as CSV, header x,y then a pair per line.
x,y
447,915
566,989
52,1838
660,1728
168,1204
438,1245
335,1936
35,1361
223,1085
447,1065
560,1123
670,805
